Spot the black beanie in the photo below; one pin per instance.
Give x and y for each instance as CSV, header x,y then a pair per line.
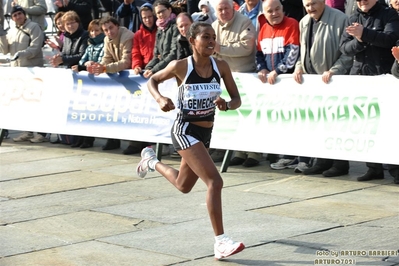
x,y
16,9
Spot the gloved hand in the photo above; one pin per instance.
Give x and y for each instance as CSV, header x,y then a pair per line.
x,y
15,57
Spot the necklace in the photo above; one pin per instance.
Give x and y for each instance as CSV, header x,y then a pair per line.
x,y
203,75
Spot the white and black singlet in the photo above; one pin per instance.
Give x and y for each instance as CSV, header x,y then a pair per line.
x,y
195,103
196,94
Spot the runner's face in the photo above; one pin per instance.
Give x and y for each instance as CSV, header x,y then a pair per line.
x,y
205,41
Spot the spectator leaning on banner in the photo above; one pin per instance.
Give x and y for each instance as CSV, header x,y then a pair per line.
x,y
35,10
75,41
165,49
24,43
369,38
144,39
235,43
117,57
320,33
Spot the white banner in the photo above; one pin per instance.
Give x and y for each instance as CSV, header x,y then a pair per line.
x,y
353,117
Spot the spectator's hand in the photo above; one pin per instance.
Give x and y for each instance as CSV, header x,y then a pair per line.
x,y
56,60
148,73
355,30
75,68
97,68
66,2
395,52
165,104
271,78
15,57
128,2
89,63
90,69
326,76
14,3
137,70
52,45
298,76
220,103
263,75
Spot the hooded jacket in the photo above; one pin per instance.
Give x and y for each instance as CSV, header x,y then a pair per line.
x,y
143,43
27,41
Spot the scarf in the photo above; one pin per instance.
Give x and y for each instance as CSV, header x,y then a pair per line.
x,y
162,23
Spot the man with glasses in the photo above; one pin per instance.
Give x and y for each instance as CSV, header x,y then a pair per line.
x,y
369,38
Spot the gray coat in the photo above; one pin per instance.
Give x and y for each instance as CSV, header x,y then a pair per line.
x,y
165,50
27,40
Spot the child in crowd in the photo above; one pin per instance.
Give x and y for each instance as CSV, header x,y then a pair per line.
x,y
93,54
95,51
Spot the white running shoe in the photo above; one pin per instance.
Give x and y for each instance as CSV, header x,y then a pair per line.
x,y
300,167
284,163
142,168
227,247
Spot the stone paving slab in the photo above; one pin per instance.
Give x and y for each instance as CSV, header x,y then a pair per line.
x,y
280,254
52,166
194,237
65,229
91,253
304,187
174,209
362,237
346,208
31,208
27,187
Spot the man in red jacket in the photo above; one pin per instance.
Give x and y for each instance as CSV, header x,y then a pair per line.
x,y
144,39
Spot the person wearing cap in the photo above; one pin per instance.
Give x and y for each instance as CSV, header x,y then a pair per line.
x,y
24,43
35,10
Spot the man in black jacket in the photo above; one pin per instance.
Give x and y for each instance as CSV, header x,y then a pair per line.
x,y
369,38
371,34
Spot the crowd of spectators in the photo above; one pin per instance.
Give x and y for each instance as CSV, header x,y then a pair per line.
x,y
269,37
